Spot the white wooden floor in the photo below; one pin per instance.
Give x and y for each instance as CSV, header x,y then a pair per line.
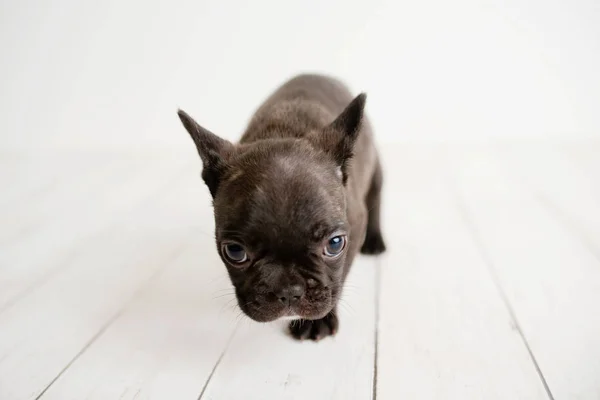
x,y
111,287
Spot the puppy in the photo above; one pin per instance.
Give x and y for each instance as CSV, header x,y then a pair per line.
x,y
294,201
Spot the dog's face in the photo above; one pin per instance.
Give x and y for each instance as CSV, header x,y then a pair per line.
x,y
280,215
281,230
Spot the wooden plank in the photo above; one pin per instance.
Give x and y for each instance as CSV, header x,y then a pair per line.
x,y
585,155
165,345
31,177
444,330
43,332
263,362
72,216
76,185
27,177
68,190
570,191
550,277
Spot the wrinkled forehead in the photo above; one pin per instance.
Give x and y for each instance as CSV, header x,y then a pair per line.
x,y
296,189
285,197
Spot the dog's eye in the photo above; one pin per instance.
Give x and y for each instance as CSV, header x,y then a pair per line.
x,y
235,253
335,245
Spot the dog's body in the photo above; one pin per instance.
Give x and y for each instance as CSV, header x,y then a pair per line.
x,y
294,201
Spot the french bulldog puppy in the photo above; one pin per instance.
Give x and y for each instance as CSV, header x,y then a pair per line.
x,y
294,201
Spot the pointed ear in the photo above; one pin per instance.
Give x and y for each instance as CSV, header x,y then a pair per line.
x,y
212,149
349,121
338,138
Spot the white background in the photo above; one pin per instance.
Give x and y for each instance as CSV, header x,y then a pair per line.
x,y
82,74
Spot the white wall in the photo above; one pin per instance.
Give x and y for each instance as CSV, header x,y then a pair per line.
x,y
90,74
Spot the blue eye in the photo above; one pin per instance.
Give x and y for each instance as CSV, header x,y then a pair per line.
x,y
235,253
335,245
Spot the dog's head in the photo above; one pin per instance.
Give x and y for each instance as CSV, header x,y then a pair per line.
x,y
280,215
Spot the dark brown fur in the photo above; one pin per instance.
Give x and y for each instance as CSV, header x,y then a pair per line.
x,y
305,169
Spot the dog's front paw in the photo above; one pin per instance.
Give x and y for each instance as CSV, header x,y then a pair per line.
x,y
373,244
315,329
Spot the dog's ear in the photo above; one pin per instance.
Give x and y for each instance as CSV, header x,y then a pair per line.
x,y
213,151
338,138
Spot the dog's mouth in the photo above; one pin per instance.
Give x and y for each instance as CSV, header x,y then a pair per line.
x,y
290,318
261,310
260,313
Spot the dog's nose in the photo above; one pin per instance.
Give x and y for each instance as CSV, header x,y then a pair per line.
x,y
290,295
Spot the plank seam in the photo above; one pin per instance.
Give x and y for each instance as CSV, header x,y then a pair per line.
x,y
80,352
212,372
66,261
377,297
140,289
474,233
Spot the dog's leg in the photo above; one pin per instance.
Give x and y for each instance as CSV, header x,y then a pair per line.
x,y
315,329
374,243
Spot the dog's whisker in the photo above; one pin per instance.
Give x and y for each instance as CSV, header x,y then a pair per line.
x,y
223,291
223,295
347,307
